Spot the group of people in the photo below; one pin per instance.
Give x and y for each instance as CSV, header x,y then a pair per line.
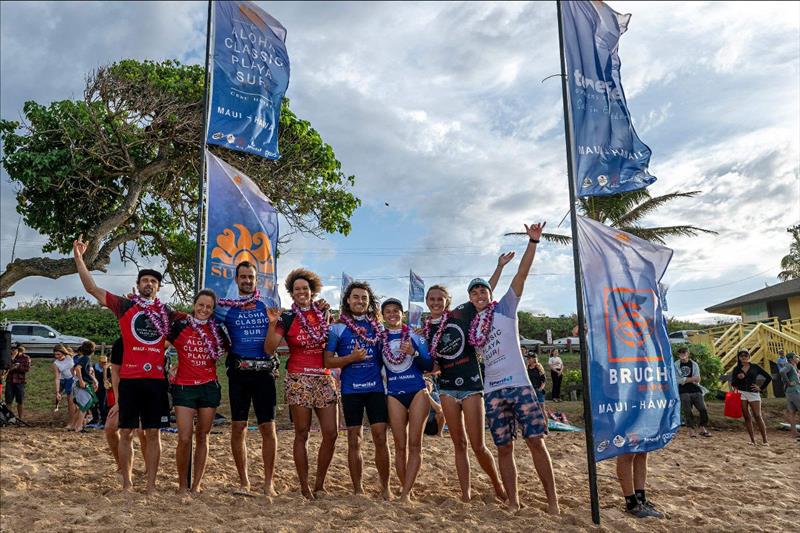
x,y
82,385
381,363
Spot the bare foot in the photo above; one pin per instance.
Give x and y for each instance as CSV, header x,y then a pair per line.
x,y
127,487
500,492
386,494
243,490
197,490
320,492
359,491
269,490
466,497
513,507
307,494
150,488
405,497
553,509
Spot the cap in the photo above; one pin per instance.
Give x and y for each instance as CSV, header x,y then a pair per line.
x,y
478,281
149,272
743,350
394,301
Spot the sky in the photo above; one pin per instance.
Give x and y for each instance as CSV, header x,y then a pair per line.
x,y
439,111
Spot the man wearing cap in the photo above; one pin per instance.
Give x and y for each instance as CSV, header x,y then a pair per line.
x,y
142,399
791,385
508,394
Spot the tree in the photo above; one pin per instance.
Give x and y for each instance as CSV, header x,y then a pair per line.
x,y
790,264
626,211
121,167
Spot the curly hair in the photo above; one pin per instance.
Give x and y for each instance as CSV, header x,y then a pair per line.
x,y
372,308
87,348
447,298
314,283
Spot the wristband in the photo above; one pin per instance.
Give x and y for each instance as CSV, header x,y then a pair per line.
x,y
534,241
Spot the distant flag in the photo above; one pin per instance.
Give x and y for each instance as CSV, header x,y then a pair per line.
x,y
634,395
249,78
610,156
346,280
242,226
662,289
416,288
414,315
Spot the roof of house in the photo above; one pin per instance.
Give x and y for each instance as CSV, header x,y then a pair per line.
x,y
778,291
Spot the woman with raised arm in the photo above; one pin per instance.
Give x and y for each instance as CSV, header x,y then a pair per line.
x,y
405,358
309,386
460,381
200,342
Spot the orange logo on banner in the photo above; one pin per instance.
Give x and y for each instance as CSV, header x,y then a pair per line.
x,y
253,247
629,322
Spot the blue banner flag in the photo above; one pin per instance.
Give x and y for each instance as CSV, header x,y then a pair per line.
x,y
610,157
346,280
242,225
416,288
635,401
249,78
414,315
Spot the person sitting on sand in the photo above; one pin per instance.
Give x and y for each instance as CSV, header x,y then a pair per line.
x,y
200,342
691,393
354,345
309,387
405,358
791,385
435,423
509,397
745,379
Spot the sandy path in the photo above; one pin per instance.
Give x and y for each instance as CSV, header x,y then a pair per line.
x,y
56,481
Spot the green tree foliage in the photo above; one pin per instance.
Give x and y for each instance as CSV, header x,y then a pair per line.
x,y
536,326
710,365
121,167
673,324
790,264
71,316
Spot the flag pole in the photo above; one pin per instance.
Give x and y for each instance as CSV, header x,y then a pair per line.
x,y
198,271
587,404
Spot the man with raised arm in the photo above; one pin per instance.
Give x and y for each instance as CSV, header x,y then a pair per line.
x,y
250,374
142,401
508,394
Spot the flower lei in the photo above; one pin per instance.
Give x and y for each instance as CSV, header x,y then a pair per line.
x,y
388,353
438,336
155,311
214,348
240,302
479,340
318,333
362,332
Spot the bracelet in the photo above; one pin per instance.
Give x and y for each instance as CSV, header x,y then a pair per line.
x,y
534,241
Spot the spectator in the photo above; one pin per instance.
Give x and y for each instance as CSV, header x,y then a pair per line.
x,y
537,376
15,379
62,369
435,423
556,373
745,380
781,360
791,384
691,392
84,377
100,409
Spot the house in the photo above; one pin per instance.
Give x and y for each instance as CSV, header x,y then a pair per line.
x,y
781,301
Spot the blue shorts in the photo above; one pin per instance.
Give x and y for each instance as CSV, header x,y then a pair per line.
x,y
540,396
510,406
459,395
65,385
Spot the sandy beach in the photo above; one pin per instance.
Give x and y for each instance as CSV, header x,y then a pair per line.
x,y
51,480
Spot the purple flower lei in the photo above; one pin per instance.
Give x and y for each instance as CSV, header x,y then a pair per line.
x,y
362,332
318,333
155,311
479,340
388,353
240,302
438,336
214,348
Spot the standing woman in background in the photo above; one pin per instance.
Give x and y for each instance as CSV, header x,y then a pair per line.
x,y
556,373
537,376
744,379
64,380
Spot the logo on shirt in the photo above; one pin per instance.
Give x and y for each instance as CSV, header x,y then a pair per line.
x,y
143,330
507,379
402,366
451,345
147,367
366,385
459,382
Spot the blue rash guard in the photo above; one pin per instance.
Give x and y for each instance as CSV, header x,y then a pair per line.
x,y
406,377
364,376
247,328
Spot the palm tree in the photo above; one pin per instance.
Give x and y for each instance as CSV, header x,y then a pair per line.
x,y
625,212
791,263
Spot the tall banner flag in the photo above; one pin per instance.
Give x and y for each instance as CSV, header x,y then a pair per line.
x,y
416,293
610,156
635,401
242,226
346,280
250,77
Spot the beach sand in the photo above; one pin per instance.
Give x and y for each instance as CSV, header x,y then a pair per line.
x,y
51,480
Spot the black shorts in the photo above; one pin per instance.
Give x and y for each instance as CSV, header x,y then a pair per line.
x,y
205,395
431,426
15,390
143,401
353,406
256,386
